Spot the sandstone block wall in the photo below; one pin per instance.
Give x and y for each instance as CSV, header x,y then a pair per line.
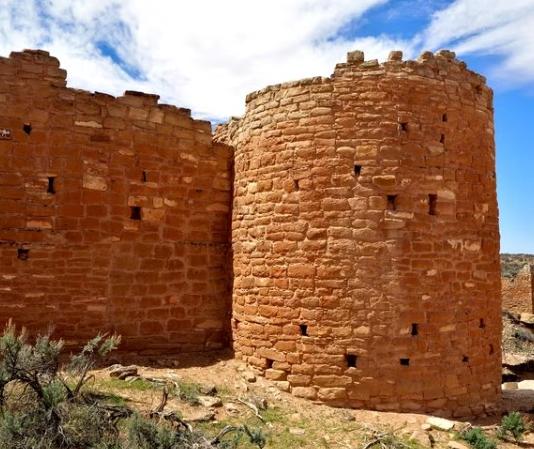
x,y
365,236
114,214
518,292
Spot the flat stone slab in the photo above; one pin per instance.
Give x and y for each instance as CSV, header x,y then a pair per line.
x,y
440,423
526,385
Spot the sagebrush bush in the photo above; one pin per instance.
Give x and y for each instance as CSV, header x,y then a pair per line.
x,y
476,437
40,408
513,425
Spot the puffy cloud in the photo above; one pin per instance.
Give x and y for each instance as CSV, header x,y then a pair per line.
x,y
503,28
206,56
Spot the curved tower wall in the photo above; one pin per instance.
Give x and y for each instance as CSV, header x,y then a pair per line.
x,y
365,236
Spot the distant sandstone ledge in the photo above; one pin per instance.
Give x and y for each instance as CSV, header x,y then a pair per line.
x,y
362,268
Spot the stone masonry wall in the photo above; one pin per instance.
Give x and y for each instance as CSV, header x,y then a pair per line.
x,y
365,236
114,214
518,292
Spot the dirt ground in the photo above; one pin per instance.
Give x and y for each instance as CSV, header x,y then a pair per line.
x,y
287,421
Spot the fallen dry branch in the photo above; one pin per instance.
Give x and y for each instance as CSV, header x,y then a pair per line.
x,y
252,407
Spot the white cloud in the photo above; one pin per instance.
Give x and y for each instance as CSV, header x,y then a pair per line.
x,y
207,55
501,27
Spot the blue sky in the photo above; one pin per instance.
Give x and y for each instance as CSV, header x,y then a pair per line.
x,y
207,55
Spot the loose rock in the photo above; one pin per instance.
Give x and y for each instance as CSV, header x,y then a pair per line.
x,y
249,376
209,401
122,372
440,423
457,445
200,416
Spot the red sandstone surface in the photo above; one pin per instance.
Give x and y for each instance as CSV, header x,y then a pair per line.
x,y
365,236
518,291
364,227
114,214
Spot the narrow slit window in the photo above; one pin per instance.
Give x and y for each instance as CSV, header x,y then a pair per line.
x,y
482,323
405,362
27,128
269,363
143,176
442,138
135,213
403,126
303,330
415,329
297,185
491,349
23,253
432,204
352,360
392,202
357,170
51,185
444,118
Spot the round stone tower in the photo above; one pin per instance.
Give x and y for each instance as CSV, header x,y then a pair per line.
x,y
365,236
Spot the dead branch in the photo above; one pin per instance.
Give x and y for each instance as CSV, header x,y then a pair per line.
x,y
252,407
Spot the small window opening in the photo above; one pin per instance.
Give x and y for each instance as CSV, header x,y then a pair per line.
x,y
405,362
269,363
392,202
482,323
442,138
357,170
432,204
303,330
465,359
27,128
51,185
444,118
415,329
403,126
143,176
352,360
135,213
491,349
23,253
297,185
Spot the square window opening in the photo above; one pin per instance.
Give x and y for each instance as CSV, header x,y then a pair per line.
x,y
269,363
303,330
357,170
51,185
135,213
392,202
352,360
432,204
27,128
403,126
405,362
23,253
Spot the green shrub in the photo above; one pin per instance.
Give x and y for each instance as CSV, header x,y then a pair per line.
x,y
512,424
477,438
42,409
189,392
